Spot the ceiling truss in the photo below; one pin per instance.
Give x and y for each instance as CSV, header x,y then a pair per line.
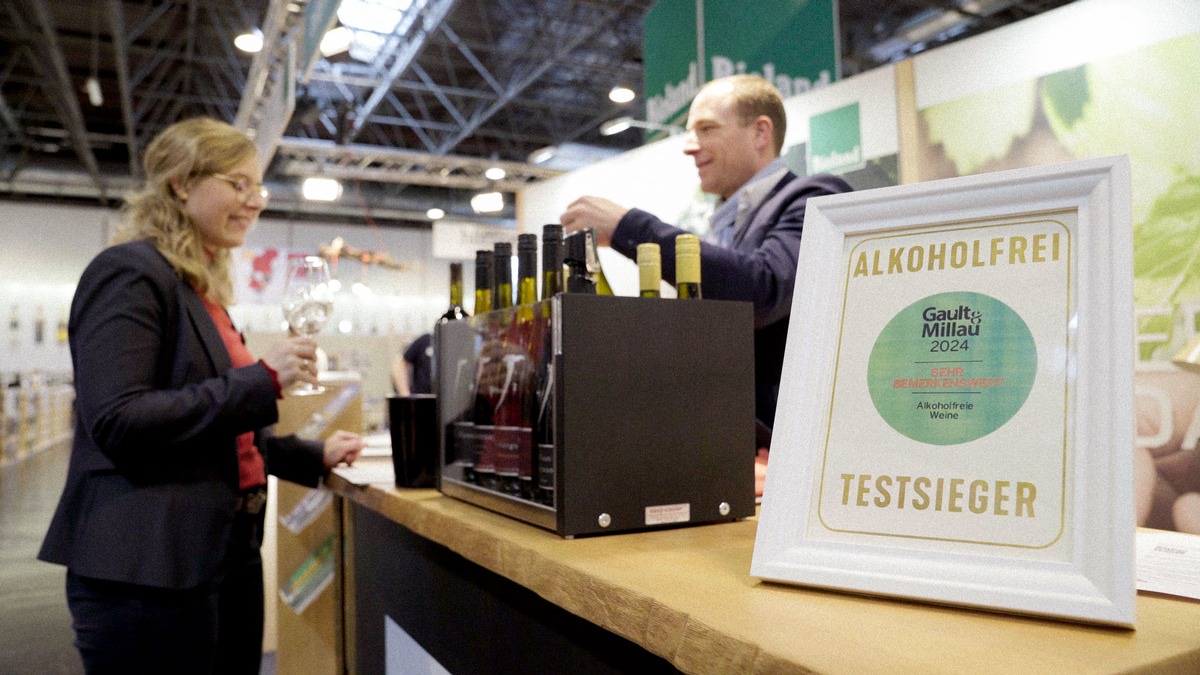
x,y
462,85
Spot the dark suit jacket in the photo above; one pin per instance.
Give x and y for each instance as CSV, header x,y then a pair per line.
x,y
759,268
153,478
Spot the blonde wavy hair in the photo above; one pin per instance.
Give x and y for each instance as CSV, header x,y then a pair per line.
x,y
185,150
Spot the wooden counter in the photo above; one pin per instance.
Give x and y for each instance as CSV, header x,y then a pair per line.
x,y
687,596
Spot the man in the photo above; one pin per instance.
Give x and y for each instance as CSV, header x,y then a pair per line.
x,y
735,128
412,373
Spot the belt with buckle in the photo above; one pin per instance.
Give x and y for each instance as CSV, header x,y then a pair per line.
x,y
252,501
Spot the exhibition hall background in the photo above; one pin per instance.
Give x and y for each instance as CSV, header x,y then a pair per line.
x,y
1093,78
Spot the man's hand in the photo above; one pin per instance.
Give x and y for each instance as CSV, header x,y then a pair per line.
x,y
597,213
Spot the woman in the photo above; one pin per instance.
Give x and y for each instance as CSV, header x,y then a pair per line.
x,y
161,518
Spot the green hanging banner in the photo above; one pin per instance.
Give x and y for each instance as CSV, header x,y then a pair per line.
x,y
792,43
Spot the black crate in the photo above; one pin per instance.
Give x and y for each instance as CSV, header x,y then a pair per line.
x,y
652,408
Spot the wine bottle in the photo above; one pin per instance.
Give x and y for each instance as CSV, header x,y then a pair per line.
x,y
502,293
456,311
687,266
484,278
496,365
579,280
544,427
470,433
593,262
39,325
515,462
504,363
649,261
61,335
584,274
552,261
527,269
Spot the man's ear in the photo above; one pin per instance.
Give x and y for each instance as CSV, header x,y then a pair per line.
x,y
764,133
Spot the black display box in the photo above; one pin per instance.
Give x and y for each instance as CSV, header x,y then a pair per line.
x,y
651,402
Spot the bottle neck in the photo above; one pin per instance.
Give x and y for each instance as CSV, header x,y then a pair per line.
x,y
687,276
552,268
687,266
527,290
456,285
687,269
504,293
484,278
578,280
552,283
527,274
483,300
649,262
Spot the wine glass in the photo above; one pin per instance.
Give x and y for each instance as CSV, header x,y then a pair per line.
x,y
307,303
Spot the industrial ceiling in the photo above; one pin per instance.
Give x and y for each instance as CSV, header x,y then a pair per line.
x,y
457,87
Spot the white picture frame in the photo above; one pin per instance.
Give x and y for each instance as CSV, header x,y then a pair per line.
x,y
1064,547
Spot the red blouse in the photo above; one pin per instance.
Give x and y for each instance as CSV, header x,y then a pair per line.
x,y
251,468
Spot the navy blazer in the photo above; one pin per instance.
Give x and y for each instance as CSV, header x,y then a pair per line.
x,y
759,268
153,478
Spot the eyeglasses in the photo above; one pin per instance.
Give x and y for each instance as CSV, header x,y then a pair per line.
x,y
244,187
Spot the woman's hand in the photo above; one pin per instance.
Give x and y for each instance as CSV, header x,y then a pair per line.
x,y
342,447
294,359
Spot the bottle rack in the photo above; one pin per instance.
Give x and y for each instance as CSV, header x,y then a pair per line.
x,y
34,414
650,414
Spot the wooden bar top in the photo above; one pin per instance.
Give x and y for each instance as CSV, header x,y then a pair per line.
x,y
687,595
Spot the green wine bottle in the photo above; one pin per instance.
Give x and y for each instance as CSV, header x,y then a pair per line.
x,y
649,262
687,266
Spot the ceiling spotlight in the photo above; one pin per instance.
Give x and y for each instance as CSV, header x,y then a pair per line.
x,y
377,17
318,189
92,87
251,42
495,173
542,155
488,202
336,41
435,213
616,126
620,94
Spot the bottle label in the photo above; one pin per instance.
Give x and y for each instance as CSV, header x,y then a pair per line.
x,y
485,460
545,467
512,447
468,442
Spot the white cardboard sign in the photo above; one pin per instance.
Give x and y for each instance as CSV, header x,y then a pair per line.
x,y
955,416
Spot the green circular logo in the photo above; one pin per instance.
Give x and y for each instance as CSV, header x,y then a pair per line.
x,y
952,368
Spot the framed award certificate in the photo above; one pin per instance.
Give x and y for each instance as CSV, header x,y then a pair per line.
x,y
955,415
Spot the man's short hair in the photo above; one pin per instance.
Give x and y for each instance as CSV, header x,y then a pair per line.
x,y
754,96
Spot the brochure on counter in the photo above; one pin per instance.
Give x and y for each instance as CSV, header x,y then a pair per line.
x,y
1168,562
